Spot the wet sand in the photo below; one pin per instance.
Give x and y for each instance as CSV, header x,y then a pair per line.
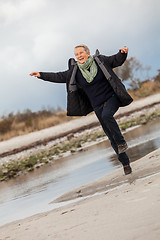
x,y
121,207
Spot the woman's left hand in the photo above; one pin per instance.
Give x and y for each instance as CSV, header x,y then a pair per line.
x,y
124,50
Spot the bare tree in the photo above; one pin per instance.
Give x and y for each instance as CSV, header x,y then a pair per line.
x,y
132,70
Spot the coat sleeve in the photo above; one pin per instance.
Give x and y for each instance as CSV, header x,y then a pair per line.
x,y
116,60
58,77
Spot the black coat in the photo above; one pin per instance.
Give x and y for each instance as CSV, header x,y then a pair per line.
x,y
77,102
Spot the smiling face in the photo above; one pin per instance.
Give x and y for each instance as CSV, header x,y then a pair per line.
x,y
81,55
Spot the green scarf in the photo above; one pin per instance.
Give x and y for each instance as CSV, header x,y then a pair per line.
x,y
88,69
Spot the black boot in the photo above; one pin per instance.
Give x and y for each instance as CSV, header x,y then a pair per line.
x,y
127,169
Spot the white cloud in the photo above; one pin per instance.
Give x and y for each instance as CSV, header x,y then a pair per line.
x,y
47,46
11,11
13,59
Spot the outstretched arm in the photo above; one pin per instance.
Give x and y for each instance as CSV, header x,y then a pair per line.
x,y
118,59
59,77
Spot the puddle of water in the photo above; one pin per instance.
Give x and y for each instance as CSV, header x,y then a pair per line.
x,y
32,193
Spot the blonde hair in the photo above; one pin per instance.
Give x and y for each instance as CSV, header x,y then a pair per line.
x,y
84,46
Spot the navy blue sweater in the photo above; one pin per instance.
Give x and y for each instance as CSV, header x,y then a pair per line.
x,y
98,91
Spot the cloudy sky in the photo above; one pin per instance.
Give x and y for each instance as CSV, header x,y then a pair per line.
x,y
40,35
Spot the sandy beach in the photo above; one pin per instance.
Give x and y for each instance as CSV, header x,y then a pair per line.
x,y
114,207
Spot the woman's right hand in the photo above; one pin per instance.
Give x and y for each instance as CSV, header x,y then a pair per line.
x,y
35,74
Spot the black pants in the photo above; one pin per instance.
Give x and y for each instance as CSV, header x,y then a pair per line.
x,y
104,113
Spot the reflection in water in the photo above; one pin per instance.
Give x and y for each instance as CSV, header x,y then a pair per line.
x,y
32,193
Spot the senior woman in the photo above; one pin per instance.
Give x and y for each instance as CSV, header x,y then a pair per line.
x,y
101,90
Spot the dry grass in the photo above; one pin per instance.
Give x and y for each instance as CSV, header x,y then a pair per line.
x,y
29,124
147,88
